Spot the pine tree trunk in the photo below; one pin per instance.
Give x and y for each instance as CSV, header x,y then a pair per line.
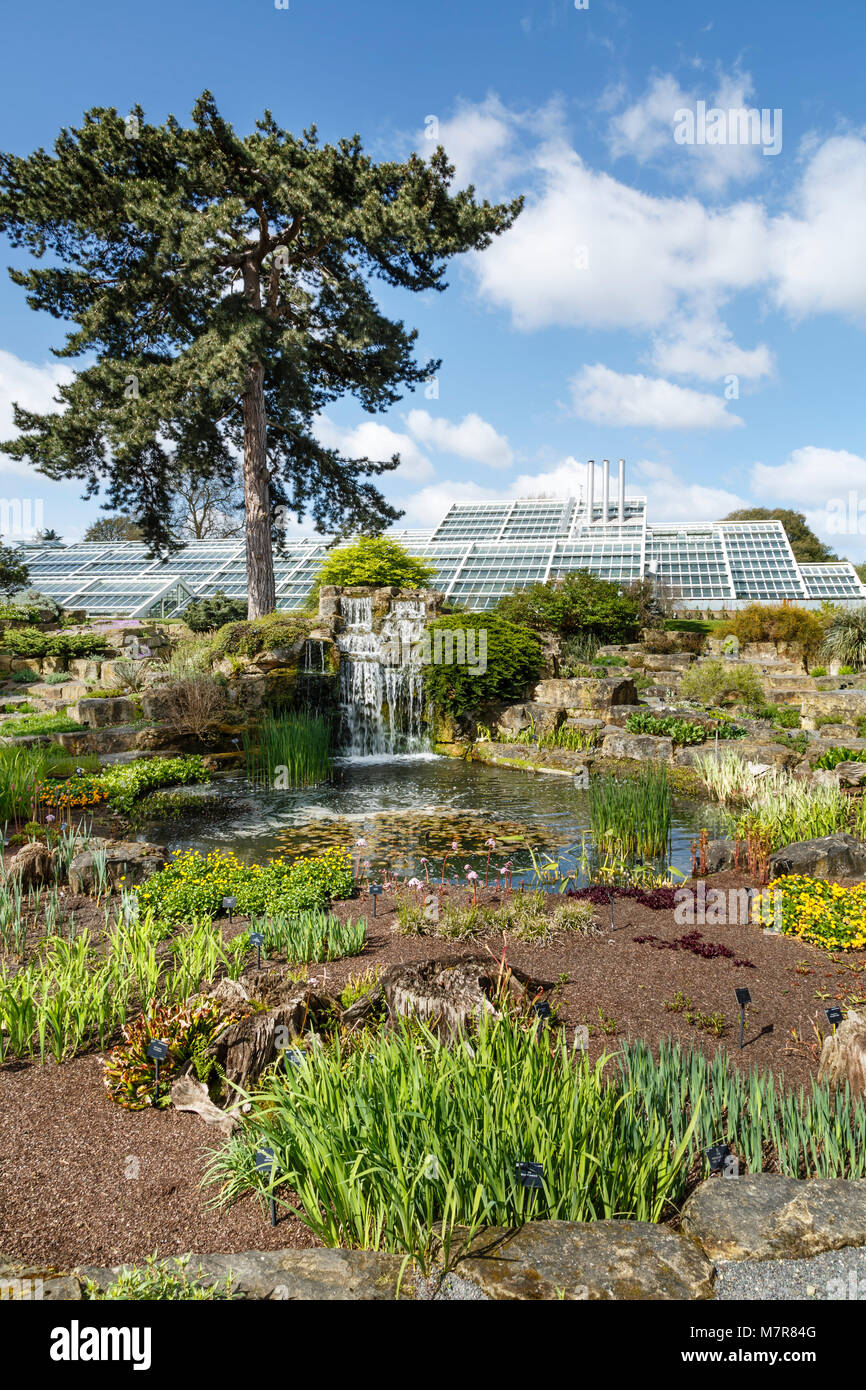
x,y
260,555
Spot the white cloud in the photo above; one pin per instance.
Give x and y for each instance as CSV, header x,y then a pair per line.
x,y
817,263
614,398
590,251
670,497
30,386
473,438
809,476
705,348
377,442
429,505
645,130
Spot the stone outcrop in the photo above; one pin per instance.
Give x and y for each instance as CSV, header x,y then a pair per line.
x,y
830,856
127,863
595,1260
839,706
33,866
98,714
586,694
764,1216
638,747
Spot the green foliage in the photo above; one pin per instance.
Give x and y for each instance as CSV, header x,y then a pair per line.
x,y
205,614
168,1280
193,885
307,232
709,682
128,1071
807,548
834,756
376,560
258,635
845,640
578,602
122,784
785,716
38,724
288,750
13,570
30,642
573,740
632,815
419,1132
312,935
24,771
782,622
513,662
682,731
818,671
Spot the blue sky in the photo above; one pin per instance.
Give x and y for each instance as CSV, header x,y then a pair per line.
x,y
696,309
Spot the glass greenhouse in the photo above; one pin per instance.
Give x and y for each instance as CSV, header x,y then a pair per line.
x,y
481,550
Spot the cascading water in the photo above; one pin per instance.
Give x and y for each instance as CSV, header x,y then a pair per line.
x,y
381,679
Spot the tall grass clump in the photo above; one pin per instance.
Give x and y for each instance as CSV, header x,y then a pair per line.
x,y
382,1139
809,1133
781,807
22,772
288,750
632,815
845,639
311,936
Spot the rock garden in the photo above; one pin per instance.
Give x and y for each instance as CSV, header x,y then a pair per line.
x,y
349,972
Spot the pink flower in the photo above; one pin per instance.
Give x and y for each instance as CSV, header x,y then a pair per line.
x,y
491,843
454,844
414,883
472,876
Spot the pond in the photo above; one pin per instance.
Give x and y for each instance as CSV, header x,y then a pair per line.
x,y
409,808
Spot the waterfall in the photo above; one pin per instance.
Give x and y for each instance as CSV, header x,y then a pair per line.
x,y
381,679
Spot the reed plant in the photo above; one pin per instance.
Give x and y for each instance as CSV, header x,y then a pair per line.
x,y
311,936
631,816
378,1142
288,750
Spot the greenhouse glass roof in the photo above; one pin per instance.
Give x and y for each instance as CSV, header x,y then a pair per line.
x,y
481,551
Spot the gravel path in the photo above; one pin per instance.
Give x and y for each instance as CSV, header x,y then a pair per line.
x,y
832,1277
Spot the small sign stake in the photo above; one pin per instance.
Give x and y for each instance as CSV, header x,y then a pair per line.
x,y
743,998
834,1015
257,939
229,904
530,1175
157,1052
265,1164
374,891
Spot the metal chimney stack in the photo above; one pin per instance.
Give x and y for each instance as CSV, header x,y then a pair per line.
x,y
590,490
605,490
621,491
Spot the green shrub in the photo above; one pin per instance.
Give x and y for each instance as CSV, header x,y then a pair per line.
x,y
783,622
708,682
578,602
379,560
259,635
205,614
846,637
785,716
160,1282
193,885
512,656
846,670
818,671
38,724
682,731
834,756
30,642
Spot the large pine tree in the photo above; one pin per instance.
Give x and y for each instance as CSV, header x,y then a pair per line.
x,y
221,292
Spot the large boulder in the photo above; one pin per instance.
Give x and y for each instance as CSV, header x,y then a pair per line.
x,y
126,863
836,706
637,747
516,719
594,1260
669,661
586,694
98,714
830,856
766,1216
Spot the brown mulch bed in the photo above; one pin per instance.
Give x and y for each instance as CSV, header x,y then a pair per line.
x,y
83,1181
